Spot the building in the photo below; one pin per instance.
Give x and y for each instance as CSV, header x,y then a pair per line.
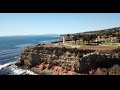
x,y
63,39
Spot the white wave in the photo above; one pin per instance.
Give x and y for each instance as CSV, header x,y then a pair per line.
x,y
5,65
18,71
12,69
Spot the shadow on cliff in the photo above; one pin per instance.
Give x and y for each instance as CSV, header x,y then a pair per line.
x,y
98,61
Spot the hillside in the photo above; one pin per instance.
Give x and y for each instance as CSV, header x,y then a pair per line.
x,y
113,30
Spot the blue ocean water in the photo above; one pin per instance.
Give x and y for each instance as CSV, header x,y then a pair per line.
x,y
11,46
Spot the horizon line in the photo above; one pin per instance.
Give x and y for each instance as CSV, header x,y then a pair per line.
x,y
29,35
57,33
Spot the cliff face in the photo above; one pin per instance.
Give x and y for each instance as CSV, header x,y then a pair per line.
x,y
103,63
67,59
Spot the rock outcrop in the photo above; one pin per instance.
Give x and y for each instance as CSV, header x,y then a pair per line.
x,y
67,59
64,61
114,70
97,61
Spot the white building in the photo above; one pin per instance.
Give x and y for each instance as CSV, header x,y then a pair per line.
x,y
63,39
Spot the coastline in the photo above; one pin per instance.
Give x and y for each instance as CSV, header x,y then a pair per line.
x,y
54,71
10,51
64,60
55,59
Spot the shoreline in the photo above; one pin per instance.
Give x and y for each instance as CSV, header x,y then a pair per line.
x,y
53,59
55,70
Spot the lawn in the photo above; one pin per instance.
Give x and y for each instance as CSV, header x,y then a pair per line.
x,y
102,47
109,43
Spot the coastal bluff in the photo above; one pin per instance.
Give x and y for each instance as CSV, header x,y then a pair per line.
x,y
51,58
68,61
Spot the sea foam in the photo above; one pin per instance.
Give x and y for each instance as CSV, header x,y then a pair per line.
x,y
11,69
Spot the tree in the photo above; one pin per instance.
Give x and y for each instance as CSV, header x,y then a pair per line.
x,y
119,36
68,35
79,37
75,37
107,36
100,37
113,35
92,37
85,38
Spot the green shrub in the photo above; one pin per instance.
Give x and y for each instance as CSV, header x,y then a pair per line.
x,y
117,50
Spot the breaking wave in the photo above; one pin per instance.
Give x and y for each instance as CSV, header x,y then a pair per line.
x,y
11,69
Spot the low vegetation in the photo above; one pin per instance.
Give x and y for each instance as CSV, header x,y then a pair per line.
x,y
117,50
111,35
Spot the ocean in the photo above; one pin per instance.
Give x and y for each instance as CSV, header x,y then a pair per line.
x,y
11,47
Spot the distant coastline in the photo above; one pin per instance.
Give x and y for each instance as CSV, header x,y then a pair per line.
x,y
31,35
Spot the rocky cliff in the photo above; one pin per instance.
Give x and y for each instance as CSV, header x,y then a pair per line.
x,y
50,57
72,61
99,62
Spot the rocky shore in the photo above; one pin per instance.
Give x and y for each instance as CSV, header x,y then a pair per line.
x,y
68,61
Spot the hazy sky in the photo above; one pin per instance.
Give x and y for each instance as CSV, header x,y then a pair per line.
x,y
55,23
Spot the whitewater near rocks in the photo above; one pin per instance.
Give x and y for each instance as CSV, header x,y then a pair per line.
x,y
12,69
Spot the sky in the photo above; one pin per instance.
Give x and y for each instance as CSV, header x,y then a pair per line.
x,y
55,23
